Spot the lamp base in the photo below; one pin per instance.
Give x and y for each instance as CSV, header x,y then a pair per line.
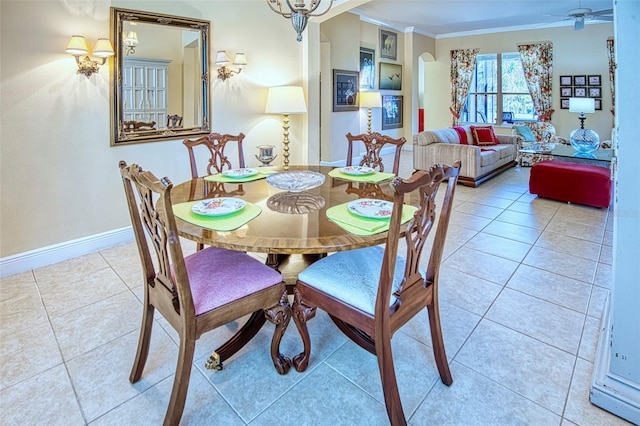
x,y
584,140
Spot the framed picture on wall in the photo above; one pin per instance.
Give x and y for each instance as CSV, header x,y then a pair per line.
x,y
564,103
598,103
566,80
367,69
579,80
345,90
388,45
566,92
580,92
594,80
391,112
595,92
390,76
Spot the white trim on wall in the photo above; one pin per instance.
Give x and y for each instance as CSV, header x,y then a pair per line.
x,y
44,256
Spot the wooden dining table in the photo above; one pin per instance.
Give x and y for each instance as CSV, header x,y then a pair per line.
x,y
292,229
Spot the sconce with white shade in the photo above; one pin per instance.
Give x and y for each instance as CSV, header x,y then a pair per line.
x,y
222,60
583,140
370,100
298,13
285,100
77,46
130,41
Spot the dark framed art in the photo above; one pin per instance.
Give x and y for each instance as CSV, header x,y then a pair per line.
x,y
579,80
566,92
390,76
580,92
566,80
598,104
564,103
594,80
391,112
595,92
345,90
367,68
388,45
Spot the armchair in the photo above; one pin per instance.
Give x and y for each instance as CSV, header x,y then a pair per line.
x,y
542,132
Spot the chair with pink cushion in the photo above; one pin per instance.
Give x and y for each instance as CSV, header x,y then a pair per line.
x,y
197,293
370,293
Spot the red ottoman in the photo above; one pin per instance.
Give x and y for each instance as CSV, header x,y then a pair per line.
x,y
572,182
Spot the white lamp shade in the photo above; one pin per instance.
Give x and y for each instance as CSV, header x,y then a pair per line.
x,y
131,39
240,59
370,100
77,45
222,58
285,100
103,48
586,105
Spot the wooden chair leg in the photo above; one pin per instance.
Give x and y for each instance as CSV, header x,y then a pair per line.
x,y
143,343
437,343
180,381
389,382
199,246
237,341
280,315
301,314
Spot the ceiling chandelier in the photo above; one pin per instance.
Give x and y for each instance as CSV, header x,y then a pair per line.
x,y
298,13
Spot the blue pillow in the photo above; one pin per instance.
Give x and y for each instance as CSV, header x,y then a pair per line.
x,y
526,133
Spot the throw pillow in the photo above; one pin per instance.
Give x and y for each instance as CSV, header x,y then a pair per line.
x,y
462,134
526,133
484,135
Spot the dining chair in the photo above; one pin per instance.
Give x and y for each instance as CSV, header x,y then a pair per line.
x,y
372,292
216,144
373,143
197,293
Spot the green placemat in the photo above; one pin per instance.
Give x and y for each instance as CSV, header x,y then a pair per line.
x,y
375,177
219,223
358,225
219,177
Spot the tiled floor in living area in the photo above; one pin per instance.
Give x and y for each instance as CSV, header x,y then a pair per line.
x,y
522,289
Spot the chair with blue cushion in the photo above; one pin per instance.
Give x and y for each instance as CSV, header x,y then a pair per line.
x,y
197,293
372,292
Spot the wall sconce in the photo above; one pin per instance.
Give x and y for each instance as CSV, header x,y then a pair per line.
x,y
130,41
78,46
223,60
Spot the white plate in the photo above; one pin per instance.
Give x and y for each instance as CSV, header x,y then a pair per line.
x,y
296,180
218,206
357,170
240,173
368,207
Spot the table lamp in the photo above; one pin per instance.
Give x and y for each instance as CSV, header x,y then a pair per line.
x,y
285,100
370,100
583,140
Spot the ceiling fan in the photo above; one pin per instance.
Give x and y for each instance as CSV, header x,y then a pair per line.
x,y
582,14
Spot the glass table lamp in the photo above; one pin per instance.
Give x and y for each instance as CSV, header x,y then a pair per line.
x,y
585,141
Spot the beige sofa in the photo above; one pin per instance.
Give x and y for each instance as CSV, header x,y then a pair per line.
x,y
479,163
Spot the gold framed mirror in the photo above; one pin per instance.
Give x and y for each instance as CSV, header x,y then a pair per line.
x,y
160,77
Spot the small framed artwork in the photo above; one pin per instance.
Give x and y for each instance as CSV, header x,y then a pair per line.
x,y
367,68
595,92
579,80
580,92
598,104
594,80
390,76
391,112
566,92
345,90
388,45
565,80
564,103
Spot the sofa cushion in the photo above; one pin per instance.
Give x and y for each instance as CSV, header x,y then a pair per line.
x,y
483,135
526,133
505,150
488,156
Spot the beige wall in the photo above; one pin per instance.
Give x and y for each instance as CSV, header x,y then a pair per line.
x,y
574,52
59,175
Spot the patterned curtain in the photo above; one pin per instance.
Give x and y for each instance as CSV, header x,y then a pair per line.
x,y
537,63
612,73
463,61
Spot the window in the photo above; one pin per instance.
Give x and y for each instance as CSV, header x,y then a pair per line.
x,y
492,91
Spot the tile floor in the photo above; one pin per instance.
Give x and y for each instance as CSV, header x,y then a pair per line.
x,y
522,289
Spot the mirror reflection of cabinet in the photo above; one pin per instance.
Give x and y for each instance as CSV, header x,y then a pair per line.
x,y
144,90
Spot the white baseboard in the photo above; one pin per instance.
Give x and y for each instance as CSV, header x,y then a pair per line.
x,y
44,256
609,391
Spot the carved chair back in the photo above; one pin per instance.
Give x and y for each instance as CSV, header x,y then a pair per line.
x,y
373,144
216,144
